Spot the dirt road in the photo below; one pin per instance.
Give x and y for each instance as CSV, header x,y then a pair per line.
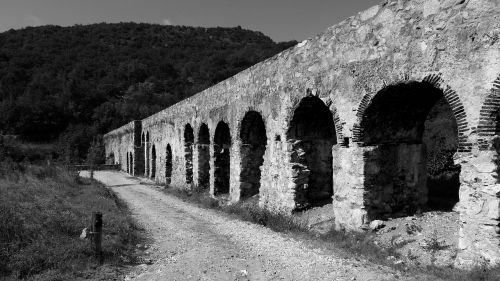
x,y
191,243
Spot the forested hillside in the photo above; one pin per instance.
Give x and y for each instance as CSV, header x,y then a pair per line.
x,y
72,83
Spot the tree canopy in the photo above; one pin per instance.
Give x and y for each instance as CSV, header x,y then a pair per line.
x,y
74,82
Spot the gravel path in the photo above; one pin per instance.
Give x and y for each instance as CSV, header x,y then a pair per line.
x,y
192,243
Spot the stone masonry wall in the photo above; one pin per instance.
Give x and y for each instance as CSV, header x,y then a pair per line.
x,y
452,44
120,143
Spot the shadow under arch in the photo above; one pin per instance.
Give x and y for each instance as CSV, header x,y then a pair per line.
x,y
311,134
409,135
203,157
222,148
168,164
188,152
131,162
253,147
128,163
147,153
153,162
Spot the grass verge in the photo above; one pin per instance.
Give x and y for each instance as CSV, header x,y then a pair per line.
x,y
346,244
43,210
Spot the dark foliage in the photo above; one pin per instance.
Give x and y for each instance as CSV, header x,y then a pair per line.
x,y
85,80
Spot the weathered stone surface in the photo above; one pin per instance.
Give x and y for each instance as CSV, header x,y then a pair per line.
x,y
123,142
376,224
451,47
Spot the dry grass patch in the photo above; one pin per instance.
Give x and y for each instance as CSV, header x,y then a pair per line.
x,y
44,209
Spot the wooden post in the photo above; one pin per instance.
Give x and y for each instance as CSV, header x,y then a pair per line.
x,y
96,234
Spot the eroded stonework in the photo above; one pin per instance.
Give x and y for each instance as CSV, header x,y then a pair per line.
x,y
378,74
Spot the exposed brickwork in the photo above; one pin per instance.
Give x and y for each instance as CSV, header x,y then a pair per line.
x,y
339,126
488,117
347,65
357,132
458,110
449,94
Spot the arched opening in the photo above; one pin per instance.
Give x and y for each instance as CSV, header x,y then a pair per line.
x,y
140,157
489,125
188,152
253,146
168,164
204,157
311,135
131,162
128,164
146,152
440,138
222,147
153,162
411,135
110,160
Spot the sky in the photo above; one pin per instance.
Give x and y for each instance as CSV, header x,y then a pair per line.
x,y
282,20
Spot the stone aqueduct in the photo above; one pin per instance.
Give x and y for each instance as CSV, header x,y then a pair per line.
x,y
341,120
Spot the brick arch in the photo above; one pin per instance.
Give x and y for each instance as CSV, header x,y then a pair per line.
x,y
488,123
311,133
338,123
367,98
339,128
450,96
